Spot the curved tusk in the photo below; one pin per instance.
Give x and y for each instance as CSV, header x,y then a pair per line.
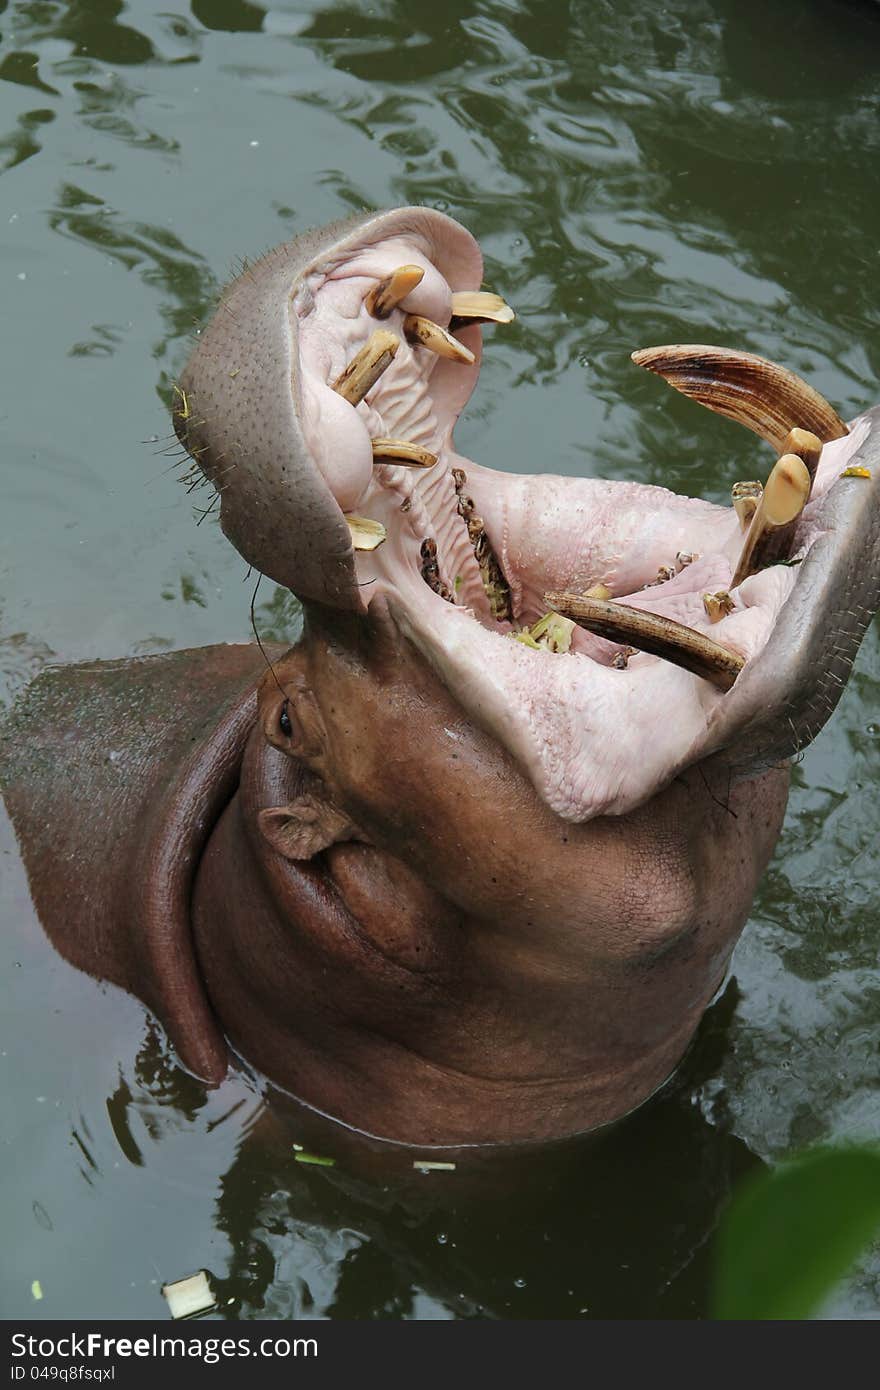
x,y
649,632
756,393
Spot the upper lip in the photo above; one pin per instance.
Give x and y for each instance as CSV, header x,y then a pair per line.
x,y
581,727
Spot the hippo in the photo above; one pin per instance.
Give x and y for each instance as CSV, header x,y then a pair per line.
x,y
467,864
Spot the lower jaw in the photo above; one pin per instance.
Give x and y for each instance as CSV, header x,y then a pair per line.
x,y
405,1100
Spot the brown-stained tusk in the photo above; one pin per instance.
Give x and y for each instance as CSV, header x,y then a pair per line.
x,y
401,451
745,498
366,534
479,306
807,446
384,297
365,368
773,526
649,632
756,393
418,330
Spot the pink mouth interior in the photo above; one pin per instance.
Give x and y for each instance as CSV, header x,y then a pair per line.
x,y
593,738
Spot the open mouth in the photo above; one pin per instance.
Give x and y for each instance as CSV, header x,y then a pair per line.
x,y
599,630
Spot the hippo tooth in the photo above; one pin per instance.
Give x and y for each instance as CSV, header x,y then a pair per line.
x,y
365,533
664,574
649,632
807,446
750,390
383,298
772,529
745,497
431,570
365,368
494,583
479,306
419,330
401,451
718,605
600,591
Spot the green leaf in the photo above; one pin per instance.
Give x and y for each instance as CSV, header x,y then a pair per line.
x,y
792,1234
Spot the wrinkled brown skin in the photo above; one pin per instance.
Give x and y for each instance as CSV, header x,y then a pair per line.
x,y
457,966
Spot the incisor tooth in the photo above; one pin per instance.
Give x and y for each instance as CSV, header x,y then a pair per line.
x,y
365,533
745,497
365,368
756,393
384,297
421,330
479,306
807,446
401,451
649,632
770,534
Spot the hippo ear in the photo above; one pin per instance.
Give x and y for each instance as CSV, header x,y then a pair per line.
x,y
307,825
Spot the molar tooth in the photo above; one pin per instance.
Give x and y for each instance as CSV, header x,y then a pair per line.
x,y
365,368
773,525
366,534
718,605
649,632
745,498
756,393
491,573
384,297
417,329
401,451
494,583
598,591
431,570
479,306
664,574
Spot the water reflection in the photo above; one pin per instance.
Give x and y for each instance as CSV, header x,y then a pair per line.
x,y
611,1225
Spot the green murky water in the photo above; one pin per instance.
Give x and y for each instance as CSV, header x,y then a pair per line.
x,y
636,172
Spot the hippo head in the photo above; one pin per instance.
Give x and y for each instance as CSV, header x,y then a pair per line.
x,y
321,402
522,702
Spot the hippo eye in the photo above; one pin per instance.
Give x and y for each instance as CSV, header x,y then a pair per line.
x,y
284,721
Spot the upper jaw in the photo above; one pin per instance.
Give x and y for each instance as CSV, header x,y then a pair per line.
x,y
292,457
